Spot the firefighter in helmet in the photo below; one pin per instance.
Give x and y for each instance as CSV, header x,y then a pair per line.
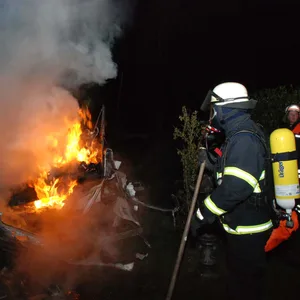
x,y
292,116
238,201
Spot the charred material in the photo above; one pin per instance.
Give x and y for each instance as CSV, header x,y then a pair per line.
x,y
22,195
90,168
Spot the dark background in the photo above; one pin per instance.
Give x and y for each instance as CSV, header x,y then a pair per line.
x,y
173,53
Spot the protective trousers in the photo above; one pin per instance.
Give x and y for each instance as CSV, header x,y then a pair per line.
x,y
246,265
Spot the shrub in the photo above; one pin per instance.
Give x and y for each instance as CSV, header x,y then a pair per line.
x,y
189,134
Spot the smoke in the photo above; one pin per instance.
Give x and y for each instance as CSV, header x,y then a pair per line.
x,y
57,36
46,44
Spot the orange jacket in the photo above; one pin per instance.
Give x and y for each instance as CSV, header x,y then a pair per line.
x,y
296,129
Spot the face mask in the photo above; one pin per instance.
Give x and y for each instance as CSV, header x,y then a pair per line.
x,y
214,118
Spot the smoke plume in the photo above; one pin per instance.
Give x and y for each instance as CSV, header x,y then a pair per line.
x,y
59,36
46,43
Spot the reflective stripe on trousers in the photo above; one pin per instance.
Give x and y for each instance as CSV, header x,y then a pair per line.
x,y
249,229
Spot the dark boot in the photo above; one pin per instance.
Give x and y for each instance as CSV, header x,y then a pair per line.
x,y
208,246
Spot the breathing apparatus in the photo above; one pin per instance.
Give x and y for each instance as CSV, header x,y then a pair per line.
x,y
285,171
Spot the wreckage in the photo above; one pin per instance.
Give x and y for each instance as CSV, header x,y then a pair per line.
x,y
81,193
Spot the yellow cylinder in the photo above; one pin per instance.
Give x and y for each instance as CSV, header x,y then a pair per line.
x,y
285,167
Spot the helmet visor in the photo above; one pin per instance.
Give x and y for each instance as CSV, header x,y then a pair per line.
x,y
205,107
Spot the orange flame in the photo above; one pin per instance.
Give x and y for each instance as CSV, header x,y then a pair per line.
x,y
54,193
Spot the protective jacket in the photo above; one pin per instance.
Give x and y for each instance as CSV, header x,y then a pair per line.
x,y
295,127
238,200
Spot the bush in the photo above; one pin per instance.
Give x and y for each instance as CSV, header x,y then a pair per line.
x,y
189,134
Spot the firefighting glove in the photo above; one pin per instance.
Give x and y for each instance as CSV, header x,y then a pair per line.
x,y
196,224
206,186
202,155
207,157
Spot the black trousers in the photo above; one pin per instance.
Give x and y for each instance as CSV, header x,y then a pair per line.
x,y
246,265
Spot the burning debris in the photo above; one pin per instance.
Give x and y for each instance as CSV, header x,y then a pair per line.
x,y
82,202
82,154
84,158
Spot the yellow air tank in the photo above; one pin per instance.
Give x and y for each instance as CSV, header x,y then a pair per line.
x,y
285,168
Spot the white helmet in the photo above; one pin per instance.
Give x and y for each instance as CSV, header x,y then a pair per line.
x,y
229,94
292,107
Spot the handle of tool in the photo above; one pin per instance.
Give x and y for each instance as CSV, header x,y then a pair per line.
x,y
185,233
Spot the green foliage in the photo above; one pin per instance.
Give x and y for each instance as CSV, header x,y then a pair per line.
x,y
272,103
189,133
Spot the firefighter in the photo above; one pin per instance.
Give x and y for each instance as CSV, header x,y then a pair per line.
x,y
238,200
292,117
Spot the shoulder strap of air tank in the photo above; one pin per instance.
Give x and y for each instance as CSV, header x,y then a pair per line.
x,y
268,154
253,133
268,182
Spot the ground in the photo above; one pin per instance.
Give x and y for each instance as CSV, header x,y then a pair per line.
x,y
151,277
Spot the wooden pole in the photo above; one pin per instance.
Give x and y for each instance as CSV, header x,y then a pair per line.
x,y
185,233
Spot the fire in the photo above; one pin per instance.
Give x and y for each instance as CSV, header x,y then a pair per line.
x,y
48,193
52,192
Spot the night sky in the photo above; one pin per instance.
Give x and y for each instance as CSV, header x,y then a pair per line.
x,y
176,50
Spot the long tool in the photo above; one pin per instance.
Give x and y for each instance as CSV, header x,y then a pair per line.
x,y
185,233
